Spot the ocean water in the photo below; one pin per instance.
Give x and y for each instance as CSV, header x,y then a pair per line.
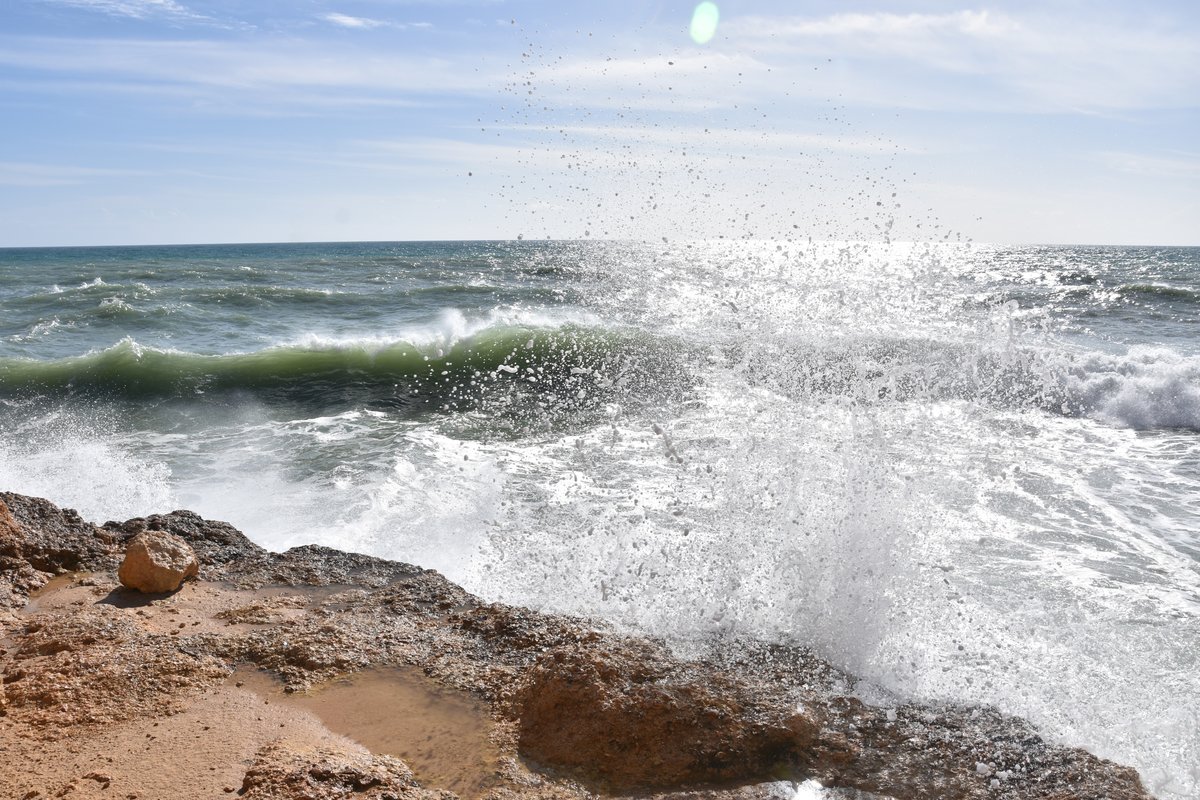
x,y
965,473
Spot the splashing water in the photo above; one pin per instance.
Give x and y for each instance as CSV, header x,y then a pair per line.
x,y
958,480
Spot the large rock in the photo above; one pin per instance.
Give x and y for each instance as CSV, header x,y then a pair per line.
x,y
591,710
157,561
629,717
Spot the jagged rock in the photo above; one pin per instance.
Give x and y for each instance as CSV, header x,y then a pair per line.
x,y
51,539
215,543
39,540
580,702
156,561
9,533
282,773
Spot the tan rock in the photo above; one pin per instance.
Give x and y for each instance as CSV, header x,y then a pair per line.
x,y
157,561
282,773
578,712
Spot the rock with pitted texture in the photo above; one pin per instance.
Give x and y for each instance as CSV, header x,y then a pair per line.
x,y
280,772
157,561
626,716
579,711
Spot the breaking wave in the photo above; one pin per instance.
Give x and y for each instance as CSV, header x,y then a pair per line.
x,y
573,363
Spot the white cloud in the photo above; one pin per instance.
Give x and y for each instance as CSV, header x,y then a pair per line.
x,y
347,21
971,23
722,140
136,9
365,23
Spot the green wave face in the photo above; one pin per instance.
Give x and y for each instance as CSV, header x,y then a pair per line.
x,y
572,365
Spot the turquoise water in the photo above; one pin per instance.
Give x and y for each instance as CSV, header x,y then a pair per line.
x,y
964,472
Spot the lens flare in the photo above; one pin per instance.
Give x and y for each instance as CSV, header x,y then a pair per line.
x,y
704,22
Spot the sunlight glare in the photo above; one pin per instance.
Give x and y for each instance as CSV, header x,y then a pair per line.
x,y
704,22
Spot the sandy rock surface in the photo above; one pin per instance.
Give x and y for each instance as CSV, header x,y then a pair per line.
x,y
99,680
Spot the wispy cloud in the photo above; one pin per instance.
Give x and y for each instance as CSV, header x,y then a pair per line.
x,y
968,23
695,138
366,23
13,173
276,73
1174,165
347,21
1036,62
135,9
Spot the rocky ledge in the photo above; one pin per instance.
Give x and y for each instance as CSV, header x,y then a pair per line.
x,y
108,692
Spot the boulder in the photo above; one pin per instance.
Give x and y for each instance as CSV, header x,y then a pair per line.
x,y
157,561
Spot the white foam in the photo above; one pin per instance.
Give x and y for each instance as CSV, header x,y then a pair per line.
x,y
78,467
1147,387
451,327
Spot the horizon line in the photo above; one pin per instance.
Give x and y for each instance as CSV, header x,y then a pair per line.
x,y
576,240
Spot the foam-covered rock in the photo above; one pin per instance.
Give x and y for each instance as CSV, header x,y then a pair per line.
x,y
157,561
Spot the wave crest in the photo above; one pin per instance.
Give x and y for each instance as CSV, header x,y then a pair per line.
x,y
454,366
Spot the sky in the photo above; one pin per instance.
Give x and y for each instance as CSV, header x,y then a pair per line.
x,y
181,121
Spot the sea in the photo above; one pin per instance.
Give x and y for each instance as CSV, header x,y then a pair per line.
x,y
964,473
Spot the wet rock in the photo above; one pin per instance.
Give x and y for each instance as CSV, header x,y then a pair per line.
x,y
314,565
591,710
39,540
51,539
282,773
156,561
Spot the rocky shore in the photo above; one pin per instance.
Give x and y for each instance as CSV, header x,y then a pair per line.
x,y
321,674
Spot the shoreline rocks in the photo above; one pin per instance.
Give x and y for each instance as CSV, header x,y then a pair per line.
x,y
579,711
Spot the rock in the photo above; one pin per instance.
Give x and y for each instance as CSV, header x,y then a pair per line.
x,y
157,561
51,539
97,665
9,532
282,773
39,540
214,542
629,717
578,701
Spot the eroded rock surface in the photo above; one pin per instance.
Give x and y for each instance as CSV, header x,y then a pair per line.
x,y
282,772
631,717
579,711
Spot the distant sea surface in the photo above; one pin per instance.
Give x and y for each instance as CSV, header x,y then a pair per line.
x,y
962,472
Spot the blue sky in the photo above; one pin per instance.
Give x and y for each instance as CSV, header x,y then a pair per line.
x,y
144,121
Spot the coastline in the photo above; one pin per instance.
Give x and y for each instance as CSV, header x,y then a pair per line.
x,y
202,692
